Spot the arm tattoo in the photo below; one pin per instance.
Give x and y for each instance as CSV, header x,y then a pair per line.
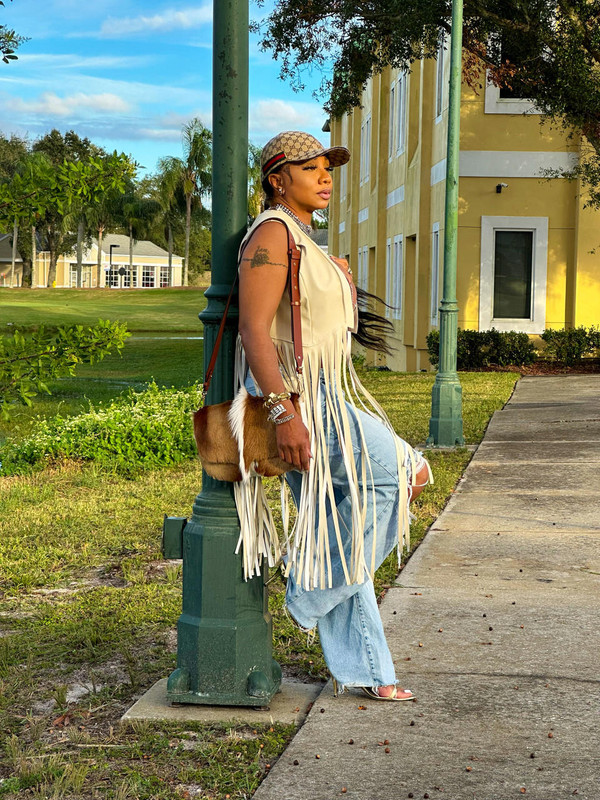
x,y
261,258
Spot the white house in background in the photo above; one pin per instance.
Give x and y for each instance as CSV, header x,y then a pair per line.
x,y
146,268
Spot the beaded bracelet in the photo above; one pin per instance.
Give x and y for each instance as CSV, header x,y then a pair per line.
x,y
281,420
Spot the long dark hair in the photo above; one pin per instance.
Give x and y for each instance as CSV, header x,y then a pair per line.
x,y
373,328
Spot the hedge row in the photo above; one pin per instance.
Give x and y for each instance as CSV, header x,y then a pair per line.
x,y
478,349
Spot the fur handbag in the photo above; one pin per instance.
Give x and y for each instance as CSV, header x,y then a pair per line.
x,y
235,439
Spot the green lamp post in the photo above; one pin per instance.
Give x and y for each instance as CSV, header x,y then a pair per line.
x,y
224,647
445,424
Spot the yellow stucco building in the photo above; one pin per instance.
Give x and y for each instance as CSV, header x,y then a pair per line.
x,y
525,242
146,267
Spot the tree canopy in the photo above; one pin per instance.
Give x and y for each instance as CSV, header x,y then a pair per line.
x,y
9,42
28,362
546,50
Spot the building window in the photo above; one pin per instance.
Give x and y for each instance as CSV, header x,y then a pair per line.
x,y
164,277
439,80
513,271
362,277
496,104
130,278
394,277
435,272
113,278
514,259
148,277
397,127
343,182
344,167
365,150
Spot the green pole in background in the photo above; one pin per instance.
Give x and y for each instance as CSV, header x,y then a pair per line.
x,y
445,424
224,636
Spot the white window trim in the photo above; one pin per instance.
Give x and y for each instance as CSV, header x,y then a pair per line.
x,y
343,182
365,150
150,270
395,277
494,104
402,113
398,116
395,197
514,163
438,100
388,275
438,172
539,226
344,167
392,122
362,276
435,274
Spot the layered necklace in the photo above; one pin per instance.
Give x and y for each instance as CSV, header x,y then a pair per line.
x,y
307,229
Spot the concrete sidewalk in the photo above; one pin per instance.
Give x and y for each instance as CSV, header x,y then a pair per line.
x,y
494,627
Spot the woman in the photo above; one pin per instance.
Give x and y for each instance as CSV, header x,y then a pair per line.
x,y
352,477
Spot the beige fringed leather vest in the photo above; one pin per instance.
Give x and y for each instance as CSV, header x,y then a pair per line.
x,y
327,319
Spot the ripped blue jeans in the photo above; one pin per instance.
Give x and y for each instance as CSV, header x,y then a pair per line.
x,y
347,616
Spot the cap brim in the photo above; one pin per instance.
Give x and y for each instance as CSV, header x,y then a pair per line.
x,y
337,156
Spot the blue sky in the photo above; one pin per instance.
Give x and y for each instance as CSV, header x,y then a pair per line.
x,y
128,74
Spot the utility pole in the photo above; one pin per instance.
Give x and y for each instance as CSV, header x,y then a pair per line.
x,y
445,424
224,644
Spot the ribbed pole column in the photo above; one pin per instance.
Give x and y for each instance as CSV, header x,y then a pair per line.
x,y
224,646
445,424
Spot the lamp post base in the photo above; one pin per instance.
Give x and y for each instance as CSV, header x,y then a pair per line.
x,y
224,635
259,691
446,425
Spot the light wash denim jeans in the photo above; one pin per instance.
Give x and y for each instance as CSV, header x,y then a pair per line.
x,y
347,616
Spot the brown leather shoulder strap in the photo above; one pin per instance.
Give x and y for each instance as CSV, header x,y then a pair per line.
x,y
213,358
293,286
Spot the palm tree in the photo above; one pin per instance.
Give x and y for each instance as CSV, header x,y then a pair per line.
x,y
135,214
102,217
167,190
194,174
255,191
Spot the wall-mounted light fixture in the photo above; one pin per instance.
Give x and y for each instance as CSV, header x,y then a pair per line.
x,y
500,186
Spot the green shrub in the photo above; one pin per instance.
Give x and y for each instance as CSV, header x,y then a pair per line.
x,y
477,349
570,345
141,430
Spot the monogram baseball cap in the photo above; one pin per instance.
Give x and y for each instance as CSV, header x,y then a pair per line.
x,y
294,146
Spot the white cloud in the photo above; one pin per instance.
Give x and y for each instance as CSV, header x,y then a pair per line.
x,y
52,105
168,20
134,92
69,61
162,134
269,116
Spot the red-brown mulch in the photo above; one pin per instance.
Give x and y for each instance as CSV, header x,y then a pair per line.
x,y
590,366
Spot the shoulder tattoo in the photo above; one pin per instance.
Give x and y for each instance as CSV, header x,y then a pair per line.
x,y
261,258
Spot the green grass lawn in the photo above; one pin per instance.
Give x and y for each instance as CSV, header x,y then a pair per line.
x,y
168,359
163,348
167,310
90,607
